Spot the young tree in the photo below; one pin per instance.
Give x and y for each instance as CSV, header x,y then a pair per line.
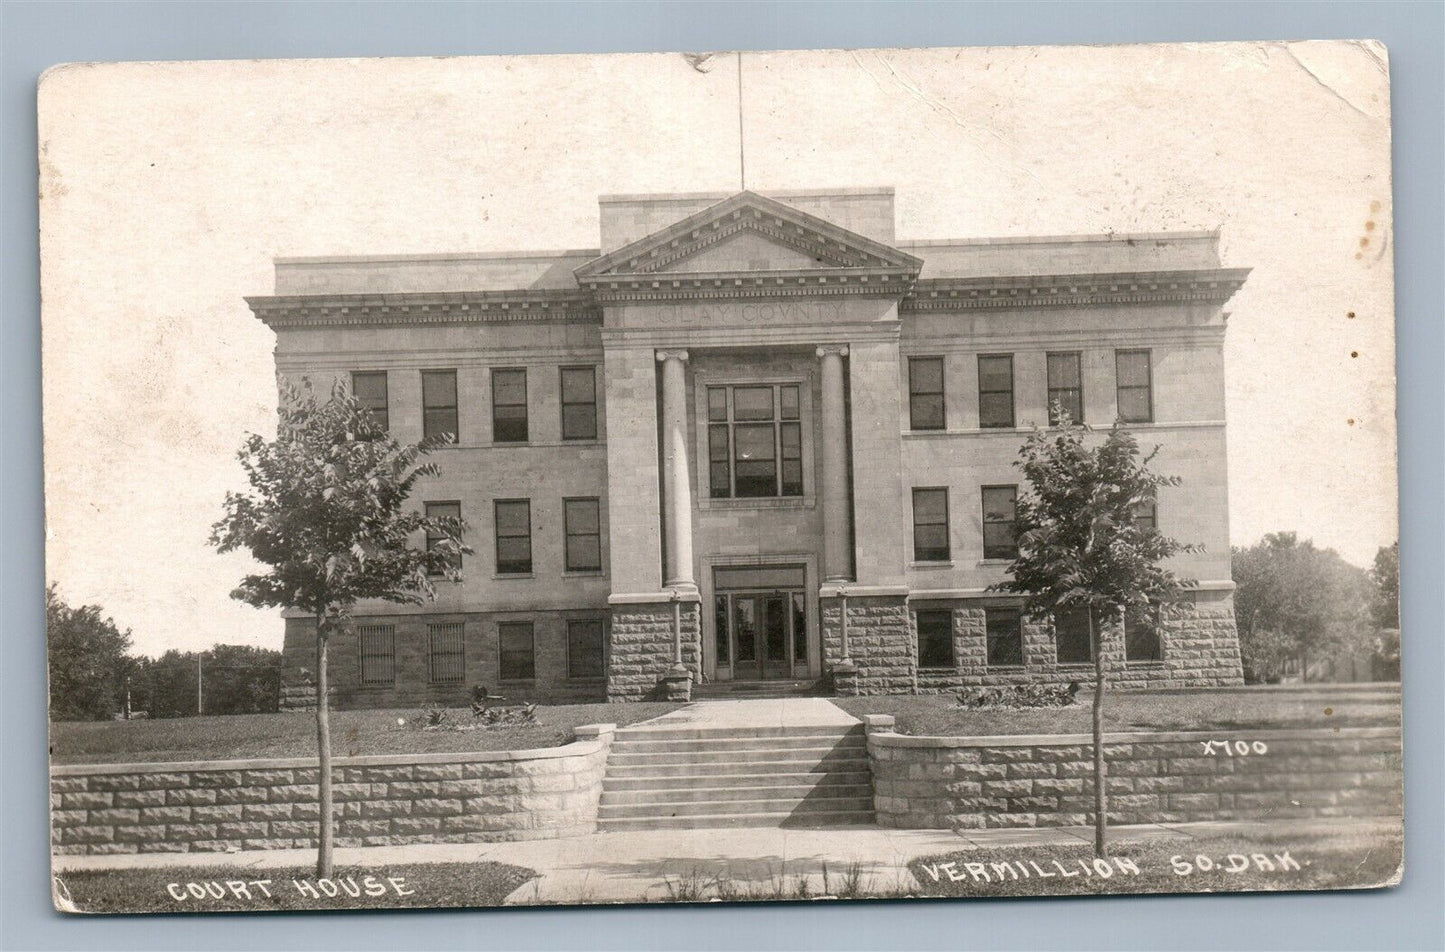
x,y
88,660
1082,547
327,514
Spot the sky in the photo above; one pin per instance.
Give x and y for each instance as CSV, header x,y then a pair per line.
x,y
168,188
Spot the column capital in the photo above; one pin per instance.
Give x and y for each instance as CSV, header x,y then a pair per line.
x,y
840,349
664,355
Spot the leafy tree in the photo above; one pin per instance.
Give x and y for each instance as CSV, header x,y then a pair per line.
x,y
234,679
327,513
1296,602
1385,577
1082,548
88,660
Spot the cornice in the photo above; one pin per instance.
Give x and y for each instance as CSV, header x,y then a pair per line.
x,y
751,285
1200,286
461,307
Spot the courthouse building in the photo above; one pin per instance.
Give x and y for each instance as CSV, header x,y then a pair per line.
x,y
761,443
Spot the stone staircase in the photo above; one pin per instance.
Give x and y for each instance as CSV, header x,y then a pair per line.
x,y
670,778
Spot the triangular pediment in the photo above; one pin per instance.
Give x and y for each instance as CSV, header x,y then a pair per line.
x,y
749,233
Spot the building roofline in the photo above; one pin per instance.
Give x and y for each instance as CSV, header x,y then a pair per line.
x,y
1059,239
780,194
466,256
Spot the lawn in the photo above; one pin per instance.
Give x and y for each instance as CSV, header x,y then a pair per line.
x,y
293,734
232,889
1227,863
1201,709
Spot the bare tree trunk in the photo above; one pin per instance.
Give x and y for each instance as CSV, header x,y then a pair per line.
x,y
1101,770
323,752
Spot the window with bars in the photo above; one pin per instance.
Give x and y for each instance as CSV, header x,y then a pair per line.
x,y
378,654
443,510
439,404
1005,636
925,393
995,391
755,441
446,653
509,405
930,525
1066,386
1072,644
582,527
1000,526
579,403
935,638
1134,382
585,648
1143,640
516,647
369,388
514,536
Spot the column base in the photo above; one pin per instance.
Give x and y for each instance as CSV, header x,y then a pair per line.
x,y
642,660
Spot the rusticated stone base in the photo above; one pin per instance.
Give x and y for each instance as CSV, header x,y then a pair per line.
x,y
880,644
642,653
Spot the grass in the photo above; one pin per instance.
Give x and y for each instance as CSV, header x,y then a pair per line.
x,y
293,734
1188,710
403,886
848,882
1334,860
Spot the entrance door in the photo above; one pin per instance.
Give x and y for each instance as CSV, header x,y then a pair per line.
x,y
761,632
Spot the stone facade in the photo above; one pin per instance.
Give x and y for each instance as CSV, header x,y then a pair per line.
x,y
979,782
379,801
643,653
811,297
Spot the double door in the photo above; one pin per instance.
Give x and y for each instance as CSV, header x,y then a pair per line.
x,y
762,634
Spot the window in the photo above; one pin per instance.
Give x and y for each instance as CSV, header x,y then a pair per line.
x,y
925,393
439,403
995,391
514,536
1142,641
369,388
518,654
579,403
509,406
584,648
720,629
755,441
1146,514
445,653
443,510
583,530
1000,532
378,654
935,639
930,525
1005,637
1135,383
1066,387
1072,644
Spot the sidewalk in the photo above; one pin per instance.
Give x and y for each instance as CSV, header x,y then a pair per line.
x,y
632,867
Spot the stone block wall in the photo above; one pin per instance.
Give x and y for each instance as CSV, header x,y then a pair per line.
x,y
642,652
974,783
379,801
881,643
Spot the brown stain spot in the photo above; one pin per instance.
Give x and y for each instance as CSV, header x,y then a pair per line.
x,y
1329,711
1351,421
1364,242
1354,353
1374,206
1369,226
1359,255
1350,315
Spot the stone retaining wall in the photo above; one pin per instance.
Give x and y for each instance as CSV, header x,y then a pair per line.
x,y
217,806
961,782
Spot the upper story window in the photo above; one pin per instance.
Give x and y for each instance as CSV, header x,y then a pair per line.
x,y
995,391
1000,530
1146,514
443,510
754,441
369,388
514,536
1135,386
582,528
925,393
579,403
509,405
439,403
930,525
1066,386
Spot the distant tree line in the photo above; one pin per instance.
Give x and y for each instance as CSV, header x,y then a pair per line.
x,y
1304,613
94,674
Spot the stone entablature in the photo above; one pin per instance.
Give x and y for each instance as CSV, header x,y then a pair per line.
x,y
217,806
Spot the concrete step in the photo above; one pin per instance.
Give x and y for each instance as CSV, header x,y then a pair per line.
x,y
730,767
789,805
782,792
656,731
668,745
778,819
811,755
714,779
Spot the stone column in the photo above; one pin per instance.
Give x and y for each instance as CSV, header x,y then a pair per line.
x,y
677,491
837,561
